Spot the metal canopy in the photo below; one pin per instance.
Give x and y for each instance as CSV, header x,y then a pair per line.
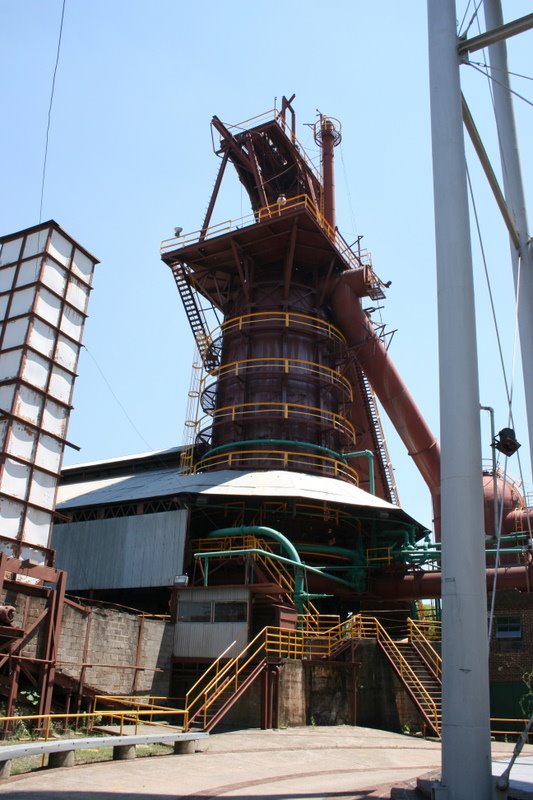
x,y
273,483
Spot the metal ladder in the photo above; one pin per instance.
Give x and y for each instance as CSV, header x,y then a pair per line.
x,y
378,435
195,315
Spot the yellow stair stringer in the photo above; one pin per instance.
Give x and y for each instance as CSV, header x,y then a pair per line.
x,y
371,628
227,676
419,640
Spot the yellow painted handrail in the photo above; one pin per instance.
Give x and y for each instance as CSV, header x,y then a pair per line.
x,y
271,211
134,716
288,319
381,554
201,699
425,700
286,410
292,365
210,675
287,460
278,570
424,646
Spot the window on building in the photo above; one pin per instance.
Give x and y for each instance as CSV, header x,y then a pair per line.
x,y
508,628
190,611
508,633
231,612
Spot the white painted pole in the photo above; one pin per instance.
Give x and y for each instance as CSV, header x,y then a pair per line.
x,y
466,764
522,259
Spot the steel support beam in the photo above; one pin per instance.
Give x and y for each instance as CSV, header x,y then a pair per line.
x,y
498,33
521,254
466,760
475,138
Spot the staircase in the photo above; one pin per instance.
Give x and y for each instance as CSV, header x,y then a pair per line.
x,y
427,678
416,663
196,317
223,683
378,435
227,679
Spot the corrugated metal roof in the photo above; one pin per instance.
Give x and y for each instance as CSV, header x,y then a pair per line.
x,y
168,482
151,454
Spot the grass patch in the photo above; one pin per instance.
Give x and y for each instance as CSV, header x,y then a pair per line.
x,y
19,766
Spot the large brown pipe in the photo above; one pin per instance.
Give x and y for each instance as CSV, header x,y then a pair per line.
x,y
328,141
427,585
386,382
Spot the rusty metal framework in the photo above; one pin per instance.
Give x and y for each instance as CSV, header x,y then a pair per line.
x,y
274,368
29,648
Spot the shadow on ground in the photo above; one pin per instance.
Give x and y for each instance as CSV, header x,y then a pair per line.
x,y
98,795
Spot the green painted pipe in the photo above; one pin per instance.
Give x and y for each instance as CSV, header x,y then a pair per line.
x,y
326,548
310,446
287,545
261,530
370,455
279,443
357,559
299,594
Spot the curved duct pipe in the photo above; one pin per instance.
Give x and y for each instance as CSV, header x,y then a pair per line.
x,y
309,446
427,585
385,380
356,572
286,544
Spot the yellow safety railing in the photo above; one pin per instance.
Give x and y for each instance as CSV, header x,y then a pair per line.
x,y
300,202
379,554
277,570
294,411
219,678
147,704
187,460
509,727
226,675
285,459
370,627
271,643
316,623
430,628
289,319
128,716
212,677
418,638
326,513
287,365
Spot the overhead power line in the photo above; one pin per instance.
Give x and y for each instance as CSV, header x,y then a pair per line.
x,y
50,109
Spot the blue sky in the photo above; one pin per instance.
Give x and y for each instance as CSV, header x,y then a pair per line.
x,y
130,157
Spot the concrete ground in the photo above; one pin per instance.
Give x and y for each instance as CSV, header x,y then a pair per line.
x,y
338,763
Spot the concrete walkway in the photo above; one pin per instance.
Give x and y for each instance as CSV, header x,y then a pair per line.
x,y
337,763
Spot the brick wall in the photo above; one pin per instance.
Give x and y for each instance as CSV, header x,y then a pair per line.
x,y
112,640
115,642
510,659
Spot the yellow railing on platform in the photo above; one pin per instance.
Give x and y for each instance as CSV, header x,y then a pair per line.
x,y
284,459
418,636
277,570
295,411
379,554
289,319
296,366
48,723
300,202
227,674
